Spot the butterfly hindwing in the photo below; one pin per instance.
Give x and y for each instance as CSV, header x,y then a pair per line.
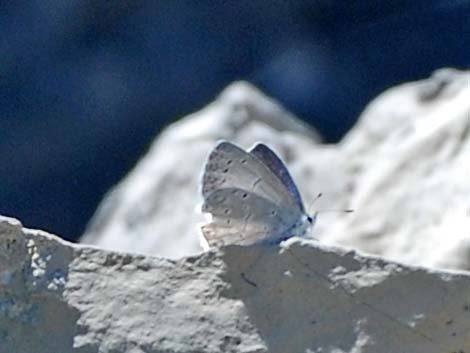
x,y
242,217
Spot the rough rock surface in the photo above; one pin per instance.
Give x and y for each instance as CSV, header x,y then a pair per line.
x,y
299,297
404,168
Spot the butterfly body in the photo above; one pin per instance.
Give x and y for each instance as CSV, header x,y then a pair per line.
x,y
251,197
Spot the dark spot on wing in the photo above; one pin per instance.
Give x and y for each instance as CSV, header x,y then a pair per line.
x,y
256,182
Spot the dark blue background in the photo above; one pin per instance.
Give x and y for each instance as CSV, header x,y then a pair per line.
x,y
86,85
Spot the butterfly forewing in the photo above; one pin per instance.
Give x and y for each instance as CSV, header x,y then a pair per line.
x,y
230,166
277,167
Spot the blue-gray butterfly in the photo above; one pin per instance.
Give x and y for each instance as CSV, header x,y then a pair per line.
x,y
252,198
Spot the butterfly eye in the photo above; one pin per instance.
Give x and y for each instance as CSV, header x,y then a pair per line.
x,y
310,219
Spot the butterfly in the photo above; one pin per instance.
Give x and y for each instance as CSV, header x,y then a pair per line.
x,y
251,196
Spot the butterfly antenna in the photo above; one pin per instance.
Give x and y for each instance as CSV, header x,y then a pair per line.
x,y
327,210
343,211
313,201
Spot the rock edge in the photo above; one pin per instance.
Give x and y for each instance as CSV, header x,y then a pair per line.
x,y
299,297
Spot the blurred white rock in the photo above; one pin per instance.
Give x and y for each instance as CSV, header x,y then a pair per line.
x,y
404,169
155,209
409,156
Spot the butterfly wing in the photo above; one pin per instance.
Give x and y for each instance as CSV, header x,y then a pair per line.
x,y
278,168
243,217
228,166
249,203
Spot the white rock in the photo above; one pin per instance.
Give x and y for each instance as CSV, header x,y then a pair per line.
x,y
299,297
410,160
155,210
404,169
